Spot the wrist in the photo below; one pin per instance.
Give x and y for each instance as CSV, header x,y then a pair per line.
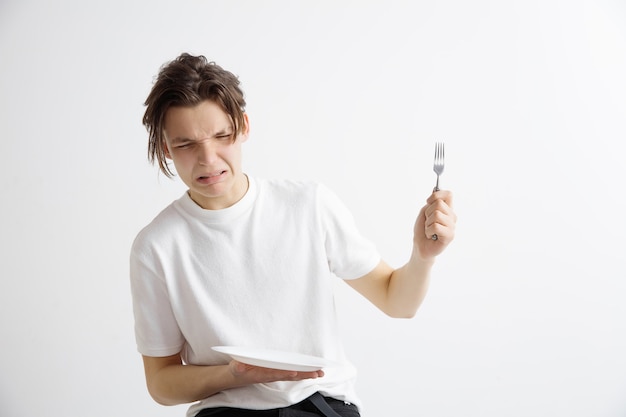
x,y
418,258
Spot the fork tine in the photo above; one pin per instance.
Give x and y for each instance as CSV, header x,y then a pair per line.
x,y
439,153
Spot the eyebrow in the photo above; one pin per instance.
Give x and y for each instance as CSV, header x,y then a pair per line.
x,y
180,140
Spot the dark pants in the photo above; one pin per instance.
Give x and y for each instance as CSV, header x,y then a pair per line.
x,y
303,409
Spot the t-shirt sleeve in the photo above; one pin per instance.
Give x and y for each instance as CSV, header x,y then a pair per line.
x,y
156,330
350,255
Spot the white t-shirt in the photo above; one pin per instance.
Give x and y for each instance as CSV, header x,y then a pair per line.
x,y
256,274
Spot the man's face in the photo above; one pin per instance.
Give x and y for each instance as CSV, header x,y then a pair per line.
x,y
200,142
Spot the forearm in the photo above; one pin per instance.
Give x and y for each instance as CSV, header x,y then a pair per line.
x,y
397,293
170,382
408,286
178,384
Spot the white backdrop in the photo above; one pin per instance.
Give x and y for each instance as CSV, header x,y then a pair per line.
x,y
526,314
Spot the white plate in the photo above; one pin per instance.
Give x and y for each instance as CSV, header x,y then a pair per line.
x,y
276,359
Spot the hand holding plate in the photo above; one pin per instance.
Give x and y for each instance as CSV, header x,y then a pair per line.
x,y
251,374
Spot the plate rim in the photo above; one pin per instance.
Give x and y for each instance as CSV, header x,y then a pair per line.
x,y
250,358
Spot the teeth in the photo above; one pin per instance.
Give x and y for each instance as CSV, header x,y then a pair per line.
x,y
211,175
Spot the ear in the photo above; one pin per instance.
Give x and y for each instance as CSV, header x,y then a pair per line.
x,y
166,150
246,128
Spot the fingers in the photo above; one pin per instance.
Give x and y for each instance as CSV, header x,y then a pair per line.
x,y
256,374
444,195
439,217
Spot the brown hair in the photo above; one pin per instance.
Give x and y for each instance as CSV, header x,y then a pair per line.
x,y
187,81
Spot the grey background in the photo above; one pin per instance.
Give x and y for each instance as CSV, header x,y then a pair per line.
x,y
526,312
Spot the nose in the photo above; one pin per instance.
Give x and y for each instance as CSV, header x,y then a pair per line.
x,y
206,153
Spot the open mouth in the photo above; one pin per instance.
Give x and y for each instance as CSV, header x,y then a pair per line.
x,y
211,177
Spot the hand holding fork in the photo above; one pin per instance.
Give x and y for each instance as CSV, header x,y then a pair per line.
x,y
438,166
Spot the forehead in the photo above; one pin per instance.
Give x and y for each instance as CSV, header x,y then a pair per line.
x,y
205,118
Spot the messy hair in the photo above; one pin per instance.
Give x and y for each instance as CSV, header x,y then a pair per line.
x,y
187,81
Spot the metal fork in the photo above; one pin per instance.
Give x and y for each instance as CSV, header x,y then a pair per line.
x,y
438,168
438,164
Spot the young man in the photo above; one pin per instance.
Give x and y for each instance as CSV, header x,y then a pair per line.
x,y
242,261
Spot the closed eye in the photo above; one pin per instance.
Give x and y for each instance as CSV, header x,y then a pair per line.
x,y
224,136
184,145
